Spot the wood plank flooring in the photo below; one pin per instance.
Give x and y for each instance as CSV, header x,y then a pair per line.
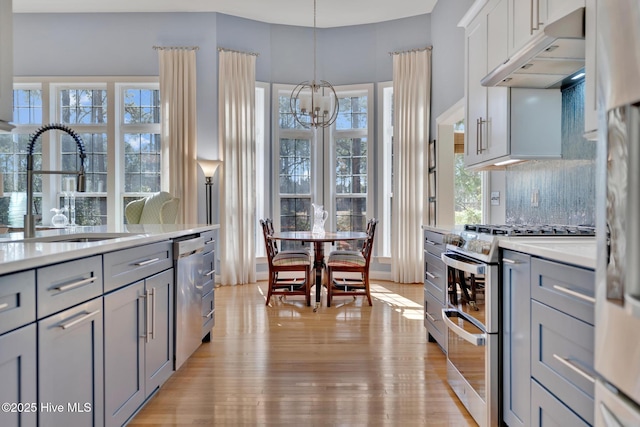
x,y
284,365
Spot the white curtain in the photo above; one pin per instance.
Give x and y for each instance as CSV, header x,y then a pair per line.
x,y
179,135
411,106
236,132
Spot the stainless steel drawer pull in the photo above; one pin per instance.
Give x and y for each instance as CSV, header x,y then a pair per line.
x,y
433,319
566,362
210,273
510,261
147,262
3,306
431,243
431,275
79,319
152,333
568,291
210,313
210,242
74,285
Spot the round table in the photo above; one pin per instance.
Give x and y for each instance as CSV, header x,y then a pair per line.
x,y
318,240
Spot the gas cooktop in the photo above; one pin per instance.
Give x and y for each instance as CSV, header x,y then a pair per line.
x,y
533,230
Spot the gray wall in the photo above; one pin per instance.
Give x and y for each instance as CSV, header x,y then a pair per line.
x,y
121,44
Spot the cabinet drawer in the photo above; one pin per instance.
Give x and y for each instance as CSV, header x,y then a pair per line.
x,y
209,240
433,243
64,285
433,318
562,350
208,312
435,276
567,288
17,300
130,265
547,411
208,271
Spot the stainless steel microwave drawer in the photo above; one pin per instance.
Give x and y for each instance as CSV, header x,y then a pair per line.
x,y
435,276
133,264
17,300
433,243
64,285
569,289
547,410
562,350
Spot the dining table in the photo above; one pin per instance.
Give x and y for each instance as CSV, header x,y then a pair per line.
x,y
318,240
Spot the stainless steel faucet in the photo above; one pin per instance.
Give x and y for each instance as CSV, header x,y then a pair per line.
x,y
29,218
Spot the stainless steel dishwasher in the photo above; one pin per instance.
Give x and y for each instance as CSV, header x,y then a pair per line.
x,y
187,259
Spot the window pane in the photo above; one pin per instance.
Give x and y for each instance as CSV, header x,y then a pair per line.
x,y
141,106
353,113
83,106
27,106
95,145
142,162
295,166
287,120
351,215
351,166
294,216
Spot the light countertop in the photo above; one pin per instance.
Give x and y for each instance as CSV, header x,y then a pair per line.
x,y
17,254
580,251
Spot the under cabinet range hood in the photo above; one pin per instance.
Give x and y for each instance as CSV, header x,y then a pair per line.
x,y
556,53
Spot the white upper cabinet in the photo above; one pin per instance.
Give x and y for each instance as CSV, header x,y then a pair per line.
x,y
528,17
497,34
486,128
6,65
591,71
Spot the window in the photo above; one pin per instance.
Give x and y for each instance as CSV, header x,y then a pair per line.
x,y
328,167
385,177
263,183
119,124
27,112
468,186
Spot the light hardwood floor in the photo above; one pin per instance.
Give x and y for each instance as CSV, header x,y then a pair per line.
x,y
347,365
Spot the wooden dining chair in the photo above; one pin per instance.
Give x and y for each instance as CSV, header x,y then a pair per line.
x,y
355,264
289,263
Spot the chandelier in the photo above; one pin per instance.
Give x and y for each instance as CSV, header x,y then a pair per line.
x,y
314,104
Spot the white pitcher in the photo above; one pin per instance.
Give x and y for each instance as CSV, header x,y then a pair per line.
x,y
319,217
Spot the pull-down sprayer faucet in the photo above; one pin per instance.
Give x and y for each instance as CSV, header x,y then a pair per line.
x,y
29,218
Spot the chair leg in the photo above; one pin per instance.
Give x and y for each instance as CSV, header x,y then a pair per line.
x,y
366,288
270,290
329,286
308,284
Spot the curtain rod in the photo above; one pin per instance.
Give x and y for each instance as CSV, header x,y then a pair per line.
x,y
420,49
224,49
176,47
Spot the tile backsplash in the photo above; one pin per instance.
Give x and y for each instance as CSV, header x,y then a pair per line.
x,y
565,187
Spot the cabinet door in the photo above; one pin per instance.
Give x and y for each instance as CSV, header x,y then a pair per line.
x,y
6,62
70,367
124,335
18,375
159,342
497,35
516,344
526,19
476,111
591,70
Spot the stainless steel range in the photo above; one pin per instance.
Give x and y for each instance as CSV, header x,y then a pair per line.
x,y
474,310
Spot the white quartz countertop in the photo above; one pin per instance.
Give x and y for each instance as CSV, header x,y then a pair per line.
x,y
580,251
17,253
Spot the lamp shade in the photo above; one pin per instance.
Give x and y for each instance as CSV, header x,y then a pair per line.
x,y
209,167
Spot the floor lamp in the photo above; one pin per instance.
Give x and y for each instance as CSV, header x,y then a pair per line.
x,y
209,168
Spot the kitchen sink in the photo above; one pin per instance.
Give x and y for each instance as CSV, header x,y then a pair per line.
x,y
79,237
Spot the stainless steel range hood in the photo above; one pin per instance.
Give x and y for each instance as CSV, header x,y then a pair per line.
x,y
546,60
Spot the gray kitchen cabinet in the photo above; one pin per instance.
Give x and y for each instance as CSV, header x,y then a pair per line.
x,y
70,367
516,344
139,350
17,300
18,382
6,65
435,288
547,411
208,283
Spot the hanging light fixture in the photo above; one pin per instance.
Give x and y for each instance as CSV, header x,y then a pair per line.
x,y
314,104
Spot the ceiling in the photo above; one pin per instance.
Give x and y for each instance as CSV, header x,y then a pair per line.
x,y
330,13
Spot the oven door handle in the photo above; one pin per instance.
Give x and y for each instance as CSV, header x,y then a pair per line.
x,y
475,339
477,269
